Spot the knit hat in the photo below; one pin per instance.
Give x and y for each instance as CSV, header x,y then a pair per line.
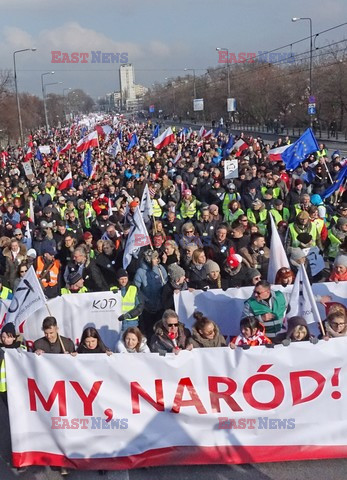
x,y
316,199
17,231
73,278
278,202
187,192
80,201
175,271
341,260
9,328
296,254
149,254
298,181
121,272
295,322
340,223
304,238
87,235
252,272
49,249
133,204
31,253
211,266
342,206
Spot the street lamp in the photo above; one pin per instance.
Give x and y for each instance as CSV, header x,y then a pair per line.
x,y
219,49
296,19
192,70
16,87
44,96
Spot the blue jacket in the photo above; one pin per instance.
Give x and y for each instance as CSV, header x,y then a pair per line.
x,y
150,283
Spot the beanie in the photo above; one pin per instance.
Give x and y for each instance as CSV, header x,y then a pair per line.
x,y
295,322
175,271
341,260
211,266
121,272
49,249
298,181
296,254
73,278
9,328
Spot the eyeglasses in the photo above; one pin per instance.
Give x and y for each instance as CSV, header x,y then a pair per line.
x,y
189,231
335,324
172,324
257,292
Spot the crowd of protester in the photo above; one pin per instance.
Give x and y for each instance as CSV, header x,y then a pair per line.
x,y
206,232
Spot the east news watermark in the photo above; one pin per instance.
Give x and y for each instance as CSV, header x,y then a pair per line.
x,y
224,56
259,423
95,56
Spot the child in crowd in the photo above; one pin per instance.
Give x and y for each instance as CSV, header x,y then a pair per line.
x,y
252,334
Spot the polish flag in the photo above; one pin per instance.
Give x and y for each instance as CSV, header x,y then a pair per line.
x,y
275,155
207,135
89,141
202,132
240,146
29,155
178,156
66,183
66,148
164,139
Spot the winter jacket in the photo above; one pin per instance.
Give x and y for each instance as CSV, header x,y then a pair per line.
x,y
200,342
121,348
160,341
151,282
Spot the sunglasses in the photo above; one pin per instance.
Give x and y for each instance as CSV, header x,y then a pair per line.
x,y
23,271
172,324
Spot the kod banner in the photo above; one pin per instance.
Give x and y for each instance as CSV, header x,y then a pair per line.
x,y
206,406
76,312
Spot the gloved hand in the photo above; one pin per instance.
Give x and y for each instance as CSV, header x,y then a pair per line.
x,y
123,317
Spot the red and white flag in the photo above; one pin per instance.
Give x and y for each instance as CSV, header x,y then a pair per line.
x,y
202,131
178,156
275,155
164,139
89,141
66,148
29,155
66,183
240,146
207,135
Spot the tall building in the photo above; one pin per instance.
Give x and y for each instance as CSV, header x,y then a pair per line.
x,y
127,82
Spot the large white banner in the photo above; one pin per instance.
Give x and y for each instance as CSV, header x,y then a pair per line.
x,y
225,307
201,407
75,312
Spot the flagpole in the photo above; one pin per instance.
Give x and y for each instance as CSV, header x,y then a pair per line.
x,y
326,168
34,167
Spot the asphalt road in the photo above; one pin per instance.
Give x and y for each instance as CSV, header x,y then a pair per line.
x,y
309,470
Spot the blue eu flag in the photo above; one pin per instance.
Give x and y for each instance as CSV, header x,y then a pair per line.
x,y
337,184
134,141
299,150
87,163
228,147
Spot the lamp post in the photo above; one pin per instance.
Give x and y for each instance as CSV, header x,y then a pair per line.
x,y
296,19
64,90
46,85
44,96
194,85
219,49
16,88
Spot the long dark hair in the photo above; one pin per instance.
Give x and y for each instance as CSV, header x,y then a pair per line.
x,y
91,332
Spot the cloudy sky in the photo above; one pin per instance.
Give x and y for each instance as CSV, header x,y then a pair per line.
x,y
161,38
